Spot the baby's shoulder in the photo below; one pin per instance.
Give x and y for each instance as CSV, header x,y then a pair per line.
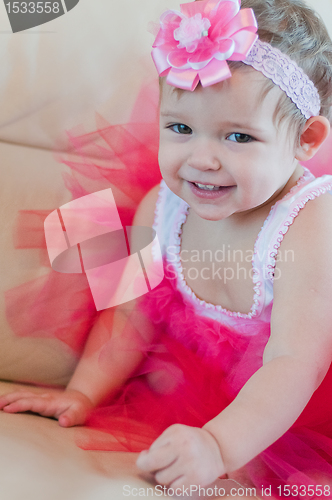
x,y
145,212
315,216
302,286
310,234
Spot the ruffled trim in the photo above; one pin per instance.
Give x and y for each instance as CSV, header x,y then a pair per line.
x,y
157,218
258,271
186,288
272,256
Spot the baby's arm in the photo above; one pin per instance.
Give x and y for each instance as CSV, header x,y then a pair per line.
x,y
95,377
296,360
117,335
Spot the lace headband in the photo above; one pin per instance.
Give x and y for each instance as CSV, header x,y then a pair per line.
x,y
195,44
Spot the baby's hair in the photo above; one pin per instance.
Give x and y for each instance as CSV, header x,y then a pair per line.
x,y
296,30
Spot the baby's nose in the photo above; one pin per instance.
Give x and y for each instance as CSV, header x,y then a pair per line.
x,y
204,157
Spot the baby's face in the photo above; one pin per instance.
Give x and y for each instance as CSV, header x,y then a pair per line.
x,y
225,136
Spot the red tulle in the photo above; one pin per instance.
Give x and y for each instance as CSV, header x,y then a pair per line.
x,y
52,307
123,157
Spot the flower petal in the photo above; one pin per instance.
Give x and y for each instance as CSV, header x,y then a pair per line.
x,y
212,6
187,79
201,62
159,56
214,72
244,40
223,16
192,8
170,16
169,21
190,32
245,19
204,51
165,37
178,58
226,47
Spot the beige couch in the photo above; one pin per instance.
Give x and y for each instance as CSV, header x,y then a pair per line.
x,y
53,78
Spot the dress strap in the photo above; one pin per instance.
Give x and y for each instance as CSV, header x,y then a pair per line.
x,y
281,217
170,213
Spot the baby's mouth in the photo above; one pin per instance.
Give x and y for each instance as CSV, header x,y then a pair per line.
x,y
207,187
209,191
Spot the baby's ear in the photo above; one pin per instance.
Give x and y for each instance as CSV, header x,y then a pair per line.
x,y
315,131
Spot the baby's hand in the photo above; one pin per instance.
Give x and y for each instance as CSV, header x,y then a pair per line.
x,y
69,407
183,456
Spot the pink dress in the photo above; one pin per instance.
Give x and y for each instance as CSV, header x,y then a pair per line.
x,y
202,355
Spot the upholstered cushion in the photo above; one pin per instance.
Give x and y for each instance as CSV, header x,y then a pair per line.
x,y
57,75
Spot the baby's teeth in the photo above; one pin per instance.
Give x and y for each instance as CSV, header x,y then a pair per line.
x,y
206,186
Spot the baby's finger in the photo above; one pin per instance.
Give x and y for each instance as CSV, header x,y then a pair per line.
x,y
72,416
24,404
14,396
169,476
156,459
168,436
64,421
182,481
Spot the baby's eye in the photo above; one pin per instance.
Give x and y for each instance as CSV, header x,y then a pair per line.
x,y
240,138
180,128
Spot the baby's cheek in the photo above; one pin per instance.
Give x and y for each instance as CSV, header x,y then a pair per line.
x,y
252,194
166,165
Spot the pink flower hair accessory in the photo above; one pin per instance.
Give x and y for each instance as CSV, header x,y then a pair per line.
x,y
194,44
